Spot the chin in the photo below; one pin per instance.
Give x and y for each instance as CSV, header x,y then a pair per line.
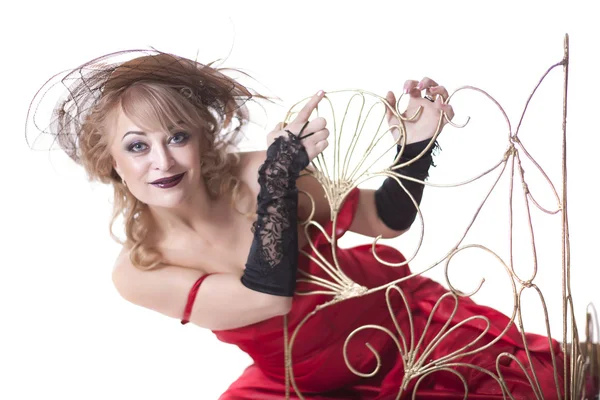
x,y
166,199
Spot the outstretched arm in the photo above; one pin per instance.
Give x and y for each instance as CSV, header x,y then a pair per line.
x,y
389,211
222,302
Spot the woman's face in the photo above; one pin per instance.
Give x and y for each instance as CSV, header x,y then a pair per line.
x,y
144,158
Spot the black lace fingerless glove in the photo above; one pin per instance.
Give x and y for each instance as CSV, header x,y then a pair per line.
x,y
273,258
394,207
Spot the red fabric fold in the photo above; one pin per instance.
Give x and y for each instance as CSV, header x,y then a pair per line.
x,y
319,368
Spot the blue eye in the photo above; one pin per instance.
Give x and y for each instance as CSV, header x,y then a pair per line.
x,y
136,147
179,137
139,147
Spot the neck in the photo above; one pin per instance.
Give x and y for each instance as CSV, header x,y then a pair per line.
x,y
197,214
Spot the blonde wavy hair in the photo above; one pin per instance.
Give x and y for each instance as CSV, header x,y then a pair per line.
x,y
156,90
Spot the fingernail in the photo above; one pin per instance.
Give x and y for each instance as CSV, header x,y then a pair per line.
x,y
406,90
419,86
320,93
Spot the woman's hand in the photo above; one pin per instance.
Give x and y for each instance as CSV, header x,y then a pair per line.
x,y
313,135
424,126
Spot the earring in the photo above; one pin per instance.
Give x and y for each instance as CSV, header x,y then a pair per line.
x,y
124,183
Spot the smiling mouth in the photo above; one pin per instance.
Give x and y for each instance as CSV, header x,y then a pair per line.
x,y
168,182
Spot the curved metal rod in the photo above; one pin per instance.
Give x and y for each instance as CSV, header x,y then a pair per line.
x,y
462,378
533,93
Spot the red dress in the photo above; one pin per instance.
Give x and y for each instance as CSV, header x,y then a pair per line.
x,y
320,371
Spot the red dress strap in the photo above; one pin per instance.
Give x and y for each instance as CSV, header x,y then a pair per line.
x,y
191,299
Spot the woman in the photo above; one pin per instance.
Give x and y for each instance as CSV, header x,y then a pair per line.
x,y
212,235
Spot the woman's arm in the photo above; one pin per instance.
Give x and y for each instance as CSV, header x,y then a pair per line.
x,y
389,211
221,303
366,220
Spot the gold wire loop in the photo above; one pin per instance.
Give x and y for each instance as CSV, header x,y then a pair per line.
x,y
360,140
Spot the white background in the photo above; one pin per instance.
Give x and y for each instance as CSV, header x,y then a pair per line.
x,y
67,334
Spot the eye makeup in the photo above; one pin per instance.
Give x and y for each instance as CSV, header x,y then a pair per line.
x,y
178,138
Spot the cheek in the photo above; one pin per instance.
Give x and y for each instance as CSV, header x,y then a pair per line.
x,y
137,166
191,155
131,167
195,159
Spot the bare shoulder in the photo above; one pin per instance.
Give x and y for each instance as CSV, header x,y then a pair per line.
x,y
126,276
122,261
251,160
163,289
248,167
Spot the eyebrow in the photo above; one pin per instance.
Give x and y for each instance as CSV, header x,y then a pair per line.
x,y
133,133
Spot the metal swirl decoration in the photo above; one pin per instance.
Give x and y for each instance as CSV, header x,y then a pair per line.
x,y
360,140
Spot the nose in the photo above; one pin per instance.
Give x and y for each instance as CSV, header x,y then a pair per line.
x,y
162,159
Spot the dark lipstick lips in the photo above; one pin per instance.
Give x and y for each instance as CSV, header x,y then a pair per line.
x,y
169,179
168,182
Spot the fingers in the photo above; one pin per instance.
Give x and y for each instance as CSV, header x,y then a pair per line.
x,y
309,128
441,96
309,132
315,137
429,85
426,83
447,108
316,125
410,86
316,143
322,145
432,89
391,99
440,102
438,91
308,108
